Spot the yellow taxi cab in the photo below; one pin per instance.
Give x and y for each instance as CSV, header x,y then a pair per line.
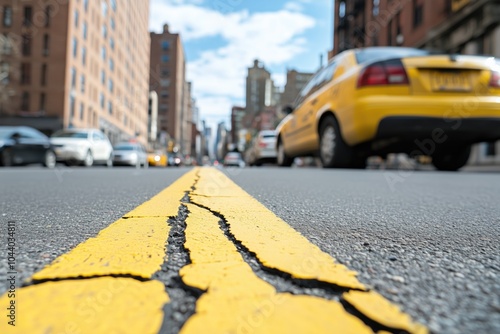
x,y
157,158
381,100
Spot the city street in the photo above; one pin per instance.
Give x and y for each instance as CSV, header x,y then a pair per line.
x,y
429,242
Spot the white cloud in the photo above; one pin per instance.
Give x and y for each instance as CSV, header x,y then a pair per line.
x,y
218,75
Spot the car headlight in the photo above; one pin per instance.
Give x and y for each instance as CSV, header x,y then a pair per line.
x,y
157,158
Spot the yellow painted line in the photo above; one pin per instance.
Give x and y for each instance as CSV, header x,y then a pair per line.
x,y
377,308
276,244
98,305
132,246
237,301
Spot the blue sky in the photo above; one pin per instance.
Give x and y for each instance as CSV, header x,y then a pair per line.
x,y
222,37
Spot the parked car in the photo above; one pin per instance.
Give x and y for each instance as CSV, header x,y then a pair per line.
x,y
234,159
82,147
157,158
381,100
130,154
22,145
174,160
263,149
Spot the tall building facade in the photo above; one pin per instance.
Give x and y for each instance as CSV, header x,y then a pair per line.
x,y
260,89
167,78
75,64
295,82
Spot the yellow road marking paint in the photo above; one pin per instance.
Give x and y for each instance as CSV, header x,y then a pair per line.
x,y
132,246
377,308
98,305
237,301
276,244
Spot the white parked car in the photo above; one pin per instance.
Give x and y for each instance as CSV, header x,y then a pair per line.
x,y
263,149
82,146
130,154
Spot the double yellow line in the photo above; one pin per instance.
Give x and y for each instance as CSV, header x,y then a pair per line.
x,y
105,284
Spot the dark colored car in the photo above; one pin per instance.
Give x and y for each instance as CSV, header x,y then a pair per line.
x,y
22,145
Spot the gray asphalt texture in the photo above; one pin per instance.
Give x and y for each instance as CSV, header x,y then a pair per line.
x,y
55,210
428,241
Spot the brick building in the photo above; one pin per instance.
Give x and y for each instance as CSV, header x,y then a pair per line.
x,y
75,64
295,82
168,71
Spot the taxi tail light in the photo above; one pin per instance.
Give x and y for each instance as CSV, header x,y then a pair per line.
x,y
389,72
495,79
262,144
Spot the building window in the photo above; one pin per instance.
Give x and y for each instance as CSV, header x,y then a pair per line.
x,y
112,23
76,18
28,16
73,77
7,16
82,83
342,9
111,65
72,106
164,82
113,5
110,85
165,73
25,101
25,73
42,102
376,8
104,8
418,13
5,45
101,100
86,4
103,53
110,108
84,56
43,75
103,77
164,94
48,14
165,58
165,45
45,50
4,73
82,110
112,43
75,47
26,49
104,31
84,30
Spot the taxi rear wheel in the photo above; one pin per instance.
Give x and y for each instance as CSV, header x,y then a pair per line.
x,y
283,159
333,151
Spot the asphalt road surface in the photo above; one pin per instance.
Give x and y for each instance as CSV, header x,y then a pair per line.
x,y
427,241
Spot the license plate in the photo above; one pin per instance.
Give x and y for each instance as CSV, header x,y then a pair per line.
x,y
450,81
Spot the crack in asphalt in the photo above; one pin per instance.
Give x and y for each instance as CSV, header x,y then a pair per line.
x,y
182,297
80,278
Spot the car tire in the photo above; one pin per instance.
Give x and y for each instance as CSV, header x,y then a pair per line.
x,y
283,160
109,161
7,157
88,161
49,160
451,159
333,151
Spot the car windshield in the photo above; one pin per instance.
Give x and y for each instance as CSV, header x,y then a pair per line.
x,y
370,54
124,147
70,134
